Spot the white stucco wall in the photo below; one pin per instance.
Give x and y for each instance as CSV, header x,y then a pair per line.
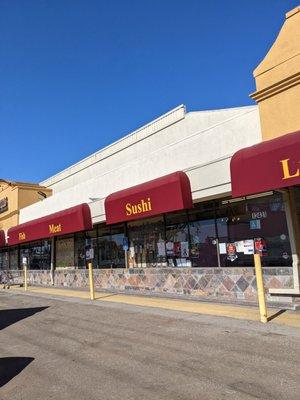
x,y
200,143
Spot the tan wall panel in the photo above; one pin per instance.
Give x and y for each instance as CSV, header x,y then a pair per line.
x,y
9,221
277,80
18,196
9,217
280,114
28,196
280,72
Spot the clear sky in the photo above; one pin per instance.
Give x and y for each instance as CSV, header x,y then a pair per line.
x,y
75,75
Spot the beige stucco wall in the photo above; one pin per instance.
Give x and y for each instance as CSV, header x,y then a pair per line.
x,y
29,195
10,217
199,143
277,80
19,195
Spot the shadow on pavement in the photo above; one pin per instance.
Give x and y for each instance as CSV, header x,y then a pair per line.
x,y
8,317
12,366
276,315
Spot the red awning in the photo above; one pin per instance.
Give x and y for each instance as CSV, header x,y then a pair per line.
x,y
72,220
2,239
269,165
168,193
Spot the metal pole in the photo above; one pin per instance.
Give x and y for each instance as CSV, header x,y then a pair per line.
x,y
91,281
260,289
217,235
218,253
52,260
25,277
126,259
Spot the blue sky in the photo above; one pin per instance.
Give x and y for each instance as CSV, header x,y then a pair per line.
x,y
75,75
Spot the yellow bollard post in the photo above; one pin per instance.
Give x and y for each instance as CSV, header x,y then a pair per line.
x,y
260,289
25,277
91,280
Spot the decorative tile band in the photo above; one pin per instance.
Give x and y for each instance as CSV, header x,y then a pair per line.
x,y
231,284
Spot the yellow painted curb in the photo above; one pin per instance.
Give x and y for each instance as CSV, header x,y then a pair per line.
x,y
289,318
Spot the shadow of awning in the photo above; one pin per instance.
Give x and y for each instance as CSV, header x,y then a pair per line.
x,y
12,366
11,316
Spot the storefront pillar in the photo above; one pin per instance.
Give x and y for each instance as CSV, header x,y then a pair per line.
x,y
293,231
293,212
52,260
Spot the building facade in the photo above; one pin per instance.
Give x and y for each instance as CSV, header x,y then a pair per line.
x,y
16,195
174,208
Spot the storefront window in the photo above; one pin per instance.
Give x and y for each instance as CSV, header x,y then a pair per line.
x,y
34,255
104,255
104,252
91,239
65,252
296,192
37,254
177,240
4,259
110,246
80,249
13,257
147,243
211,234
24,253
117,252
45,256
203,237
259,222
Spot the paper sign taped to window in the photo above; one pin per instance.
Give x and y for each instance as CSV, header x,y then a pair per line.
x,y
255,224
239,246
161,249
222,248
248,246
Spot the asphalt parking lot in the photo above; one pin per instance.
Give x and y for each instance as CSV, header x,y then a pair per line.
x,y
71,349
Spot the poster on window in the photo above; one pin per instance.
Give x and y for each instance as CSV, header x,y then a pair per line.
x,y
131,256
239,246
161,249
248,247
255,224
177,249
260,246
184,246
183,263
231,251
222,248
195,250
170,248
89,253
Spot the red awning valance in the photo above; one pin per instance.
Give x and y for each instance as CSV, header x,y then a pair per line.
x,y
2,238
168,193
269,165
72,220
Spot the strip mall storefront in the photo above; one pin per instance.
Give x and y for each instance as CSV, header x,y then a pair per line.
x,y
174,247
189,233
274,165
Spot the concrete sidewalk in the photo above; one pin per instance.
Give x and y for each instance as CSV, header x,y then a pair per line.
x,y
277,316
